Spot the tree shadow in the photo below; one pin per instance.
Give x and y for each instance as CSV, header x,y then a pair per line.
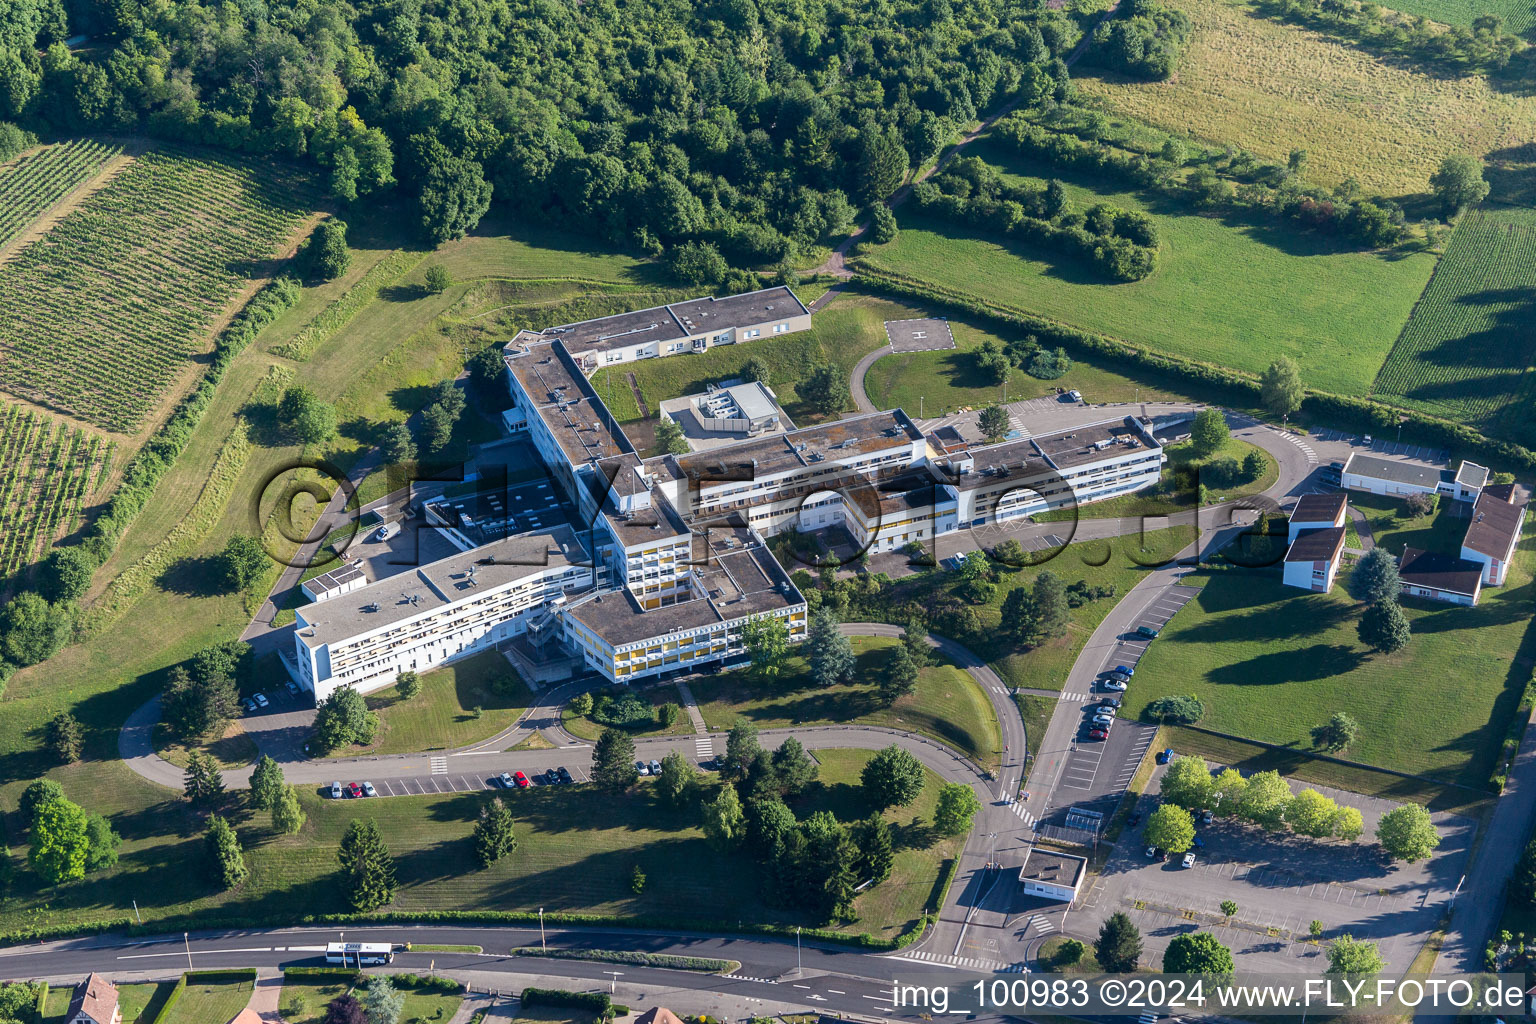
x,y
1320,661
194,576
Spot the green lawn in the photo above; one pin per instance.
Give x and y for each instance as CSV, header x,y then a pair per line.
x,y
139,1002
1243,293
1271,662
1036,712
442,715
850,326
930,384
948,705
211,999
591,729
1393,527
901,899
234,749
315,992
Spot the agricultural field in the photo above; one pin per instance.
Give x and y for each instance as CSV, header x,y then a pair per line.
x,y
49,471
40,178
1270,662
1337,313
1519,15
1467,351
99,317
1271,88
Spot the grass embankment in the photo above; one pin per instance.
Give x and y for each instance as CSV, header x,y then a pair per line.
x,y
443,715
1337,313
948,704
1271,88
1272,662
235,749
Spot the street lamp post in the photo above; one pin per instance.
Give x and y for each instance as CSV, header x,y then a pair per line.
x,y
797,951
542,945
189,949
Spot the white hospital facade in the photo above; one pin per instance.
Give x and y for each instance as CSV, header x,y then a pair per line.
x,y
673,563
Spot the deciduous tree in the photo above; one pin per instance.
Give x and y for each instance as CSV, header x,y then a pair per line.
x,y
61,845
956,809
1348,955
1407,833
1171,828
1458,183
1188,783
826,389
1197,953
408,684
1280,387
994,423
1337,733
724,822
766,639
1208,433
669,436
678,780
892,778
287,813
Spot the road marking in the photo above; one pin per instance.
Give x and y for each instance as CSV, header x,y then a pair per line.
x,y
440,766
837,991
802,986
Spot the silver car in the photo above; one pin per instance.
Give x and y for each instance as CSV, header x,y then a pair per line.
x,y
335,791
368,789
642,768
655,767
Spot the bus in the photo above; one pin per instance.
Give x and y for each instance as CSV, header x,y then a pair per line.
x,y
360,954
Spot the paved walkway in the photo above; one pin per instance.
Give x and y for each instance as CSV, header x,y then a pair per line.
x,y
691,706
267,993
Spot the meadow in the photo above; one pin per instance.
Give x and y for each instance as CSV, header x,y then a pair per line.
x,y
1225,291
1271,662
49,471
577,848
101,315
458,704
37,180
1271,88
1467,351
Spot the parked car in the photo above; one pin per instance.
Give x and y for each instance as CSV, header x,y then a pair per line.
x,y
1152,853
1112,703
1189,859
520,779
292,687
368,789
1165,756
1123,670
249,705
1098,733
335,791
1075,395
1119,677
1206,817
565,774
260,699
506,780
386,531
1117,685
655,767
642,768
551,778
1367,439
1146,632
1104,718
354,791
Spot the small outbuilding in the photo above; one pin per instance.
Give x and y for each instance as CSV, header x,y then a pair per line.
x,y
1052,875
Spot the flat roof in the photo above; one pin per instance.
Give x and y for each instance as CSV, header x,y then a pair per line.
x,y
658,521
827,443
493,513
1011,459
438,584
737,578
1090,443
1317,545
753,400
565,401
1396,470
1053,867
1495,525
334,580
1439,571
679,320
1318,508
1471,474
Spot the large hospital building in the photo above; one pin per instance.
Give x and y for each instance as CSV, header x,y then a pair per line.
x,y
664,560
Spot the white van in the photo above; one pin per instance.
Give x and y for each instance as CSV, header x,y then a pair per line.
x,y
386,531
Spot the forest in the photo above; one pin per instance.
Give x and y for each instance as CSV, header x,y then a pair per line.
x,y
758,126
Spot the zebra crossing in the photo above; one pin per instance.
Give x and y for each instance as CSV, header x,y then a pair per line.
x,y
440,766
748,977
1306,449
960,961
1076,696
1018,808
1040,924
703,747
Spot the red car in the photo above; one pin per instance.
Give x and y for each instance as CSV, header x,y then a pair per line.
x,y
354,790
521,780
1098,734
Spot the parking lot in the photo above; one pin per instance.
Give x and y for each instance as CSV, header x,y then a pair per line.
x,y
1380,446
1281,883
441,780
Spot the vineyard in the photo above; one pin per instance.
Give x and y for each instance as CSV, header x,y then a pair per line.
x,y
48,471
42,177
99,316
1467,350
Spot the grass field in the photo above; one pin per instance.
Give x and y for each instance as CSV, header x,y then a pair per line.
x,y
99,317
1270,88
49,472
1467,351
317,990
948,705
211,997
1271,662
1336,313
442,715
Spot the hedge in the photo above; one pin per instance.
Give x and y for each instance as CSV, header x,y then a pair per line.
x,y
596,1003
1343,410
310,971
42,999
171,1000
426,983
614,956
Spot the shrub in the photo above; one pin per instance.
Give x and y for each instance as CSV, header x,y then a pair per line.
x,y
1183,710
